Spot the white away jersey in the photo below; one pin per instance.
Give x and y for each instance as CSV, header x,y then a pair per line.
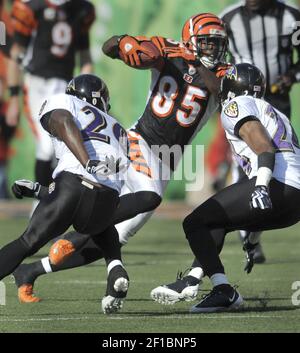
x,y
287,162
102,134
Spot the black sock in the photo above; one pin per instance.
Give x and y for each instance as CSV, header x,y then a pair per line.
x,y
108,242
218,236
196,263
11,255
43,172
205,250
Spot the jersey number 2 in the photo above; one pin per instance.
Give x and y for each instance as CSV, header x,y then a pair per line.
x,y
92,130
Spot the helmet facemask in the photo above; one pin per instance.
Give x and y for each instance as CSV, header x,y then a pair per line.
x,y
210,49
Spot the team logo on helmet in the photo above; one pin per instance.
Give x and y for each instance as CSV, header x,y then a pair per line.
x,y
232,110
231,73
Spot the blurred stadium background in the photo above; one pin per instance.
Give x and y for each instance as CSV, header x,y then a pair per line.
x,y
129,87
71,298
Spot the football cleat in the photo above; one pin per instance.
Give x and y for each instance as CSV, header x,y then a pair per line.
x,y
24,280
116,291
26,295
222,298
60,251
185,288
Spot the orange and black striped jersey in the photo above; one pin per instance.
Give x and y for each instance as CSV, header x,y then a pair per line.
x,y
179,104
52,34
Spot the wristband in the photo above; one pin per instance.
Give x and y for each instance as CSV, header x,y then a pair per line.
x,y
266,159
265,164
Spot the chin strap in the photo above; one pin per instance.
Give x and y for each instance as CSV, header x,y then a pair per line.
x,y
207,62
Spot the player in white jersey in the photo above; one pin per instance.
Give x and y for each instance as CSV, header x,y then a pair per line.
x,y
91,148
266,147
171,62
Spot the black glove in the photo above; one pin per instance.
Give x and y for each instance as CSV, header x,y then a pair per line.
x,y
104,168
25,188
249,252
260,198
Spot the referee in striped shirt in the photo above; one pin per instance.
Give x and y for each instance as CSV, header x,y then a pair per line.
x,y
261,33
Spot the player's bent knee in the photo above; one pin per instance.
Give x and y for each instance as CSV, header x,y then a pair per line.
x,y
191,223
150,200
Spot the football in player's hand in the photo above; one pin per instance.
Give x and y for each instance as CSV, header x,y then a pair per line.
x,y
147,58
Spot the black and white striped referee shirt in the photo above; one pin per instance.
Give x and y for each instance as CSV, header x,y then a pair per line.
x,y
265,39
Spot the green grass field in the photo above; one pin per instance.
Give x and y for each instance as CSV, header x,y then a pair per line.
x,y
72,298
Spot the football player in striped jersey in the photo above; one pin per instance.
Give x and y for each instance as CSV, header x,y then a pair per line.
x,y
183,95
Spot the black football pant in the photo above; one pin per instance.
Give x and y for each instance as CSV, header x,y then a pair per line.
x,y
229,210
89,209
87,249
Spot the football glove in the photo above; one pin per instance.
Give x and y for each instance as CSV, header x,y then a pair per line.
x,y
130,49
26,188
105,168
260,198
249,252
181,52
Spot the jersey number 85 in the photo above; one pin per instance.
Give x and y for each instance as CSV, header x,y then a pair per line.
x,y
163,102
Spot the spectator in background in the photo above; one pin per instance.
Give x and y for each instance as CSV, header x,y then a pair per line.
x,y
260,32
6,132
47,36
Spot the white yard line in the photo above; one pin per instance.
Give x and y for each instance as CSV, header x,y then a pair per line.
x,y
187,317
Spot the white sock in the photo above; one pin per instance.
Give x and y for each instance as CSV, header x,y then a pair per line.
x,y
196,272
113,264
243,234
218,278
46,264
